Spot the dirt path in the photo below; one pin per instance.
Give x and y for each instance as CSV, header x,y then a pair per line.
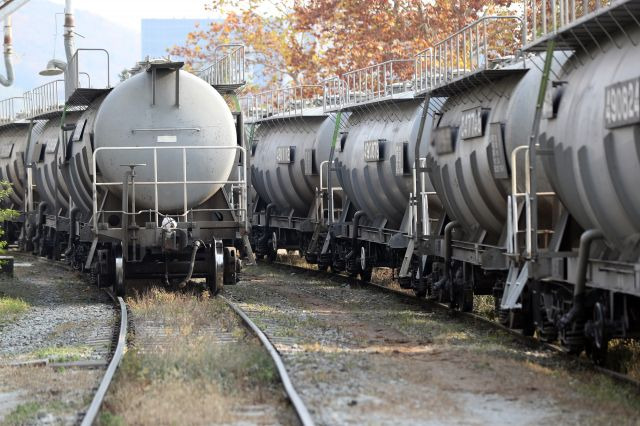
x,y
360,357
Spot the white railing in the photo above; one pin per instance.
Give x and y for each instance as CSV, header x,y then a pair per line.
x,y
513,204
227,68
377,82
11,110
44,99
324,188
74,71
240,183
281,103
334,90
544,17
476,47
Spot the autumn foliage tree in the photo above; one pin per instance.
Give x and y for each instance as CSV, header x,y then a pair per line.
x,y
305,41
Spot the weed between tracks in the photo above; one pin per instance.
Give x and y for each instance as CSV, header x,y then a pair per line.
x,y
11,308
191,376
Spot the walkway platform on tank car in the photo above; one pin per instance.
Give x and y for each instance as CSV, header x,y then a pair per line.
x,y
17,123
84,97
591,29
470,81
404,96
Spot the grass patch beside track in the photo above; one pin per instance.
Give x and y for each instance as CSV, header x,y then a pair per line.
x,y
11,308
63,353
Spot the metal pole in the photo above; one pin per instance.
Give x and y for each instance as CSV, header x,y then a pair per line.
x,y
533,144
418,171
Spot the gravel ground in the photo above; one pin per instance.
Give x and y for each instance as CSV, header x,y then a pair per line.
x,y
66,320
361,357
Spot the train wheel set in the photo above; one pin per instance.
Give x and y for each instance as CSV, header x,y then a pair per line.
x,y
477,167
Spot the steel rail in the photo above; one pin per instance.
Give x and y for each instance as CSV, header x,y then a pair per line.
x,y
96,403
298,405
530,340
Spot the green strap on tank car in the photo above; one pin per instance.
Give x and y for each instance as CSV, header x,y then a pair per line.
x,y
251,131
336,130
551,45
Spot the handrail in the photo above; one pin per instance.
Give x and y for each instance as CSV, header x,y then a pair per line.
x,y
44,99
333,94
241,181
376,82
9,111
72,72
284,102
228,68
466,51
545,17
324,188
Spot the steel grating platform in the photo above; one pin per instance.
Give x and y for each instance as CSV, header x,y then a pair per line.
x,y
84,97
472,80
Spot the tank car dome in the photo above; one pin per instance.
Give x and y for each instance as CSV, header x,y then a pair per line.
x,y
129,117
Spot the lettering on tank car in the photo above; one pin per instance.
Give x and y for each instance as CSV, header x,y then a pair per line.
x,y
499,167
401,158
444,139
622,103
166,139
373,150
284,154
309,156
472,123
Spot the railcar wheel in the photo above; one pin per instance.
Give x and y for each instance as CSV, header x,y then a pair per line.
x,y
544,328
119,286
215,268
597,331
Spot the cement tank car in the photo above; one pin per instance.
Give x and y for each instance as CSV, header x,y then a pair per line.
x,y
144,180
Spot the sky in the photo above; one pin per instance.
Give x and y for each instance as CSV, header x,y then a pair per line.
x,y
129,12
110,24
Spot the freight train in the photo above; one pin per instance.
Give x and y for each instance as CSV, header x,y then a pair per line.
x,y
502,164
146,179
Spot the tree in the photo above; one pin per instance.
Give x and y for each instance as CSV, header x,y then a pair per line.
x,y
306,41
5,213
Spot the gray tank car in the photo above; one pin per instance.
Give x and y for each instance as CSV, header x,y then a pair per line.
x,y
375,161
280,172
592,295
289,154
472,146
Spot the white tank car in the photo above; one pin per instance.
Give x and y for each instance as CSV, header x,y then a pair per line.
x,y
141,113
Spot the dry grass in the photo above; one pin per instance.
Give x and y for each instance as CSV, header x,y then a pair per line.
x,y
11,308
624,356
192,378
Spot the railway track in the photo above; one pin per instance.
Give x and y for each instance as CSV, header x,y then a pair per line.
x,y
530,340
120,340
94,408
300,408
